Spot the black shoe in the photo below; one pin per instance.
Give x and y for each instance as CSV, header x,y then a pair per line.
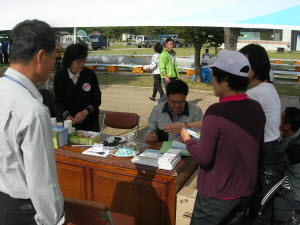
x,y
152,98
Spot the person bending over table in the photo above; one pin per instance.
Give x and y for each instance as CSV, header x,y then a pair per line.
x,y
168,118
76,89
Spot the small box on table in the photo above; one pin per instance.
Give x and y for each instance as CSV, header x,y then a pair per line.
x,y
82,137
60,136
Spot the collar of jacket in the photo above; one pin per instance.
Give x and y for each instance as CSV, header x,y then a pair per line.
x,y
184,112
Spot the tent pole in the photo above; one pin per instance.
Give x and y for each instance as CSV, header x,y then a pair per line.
x,y
75,35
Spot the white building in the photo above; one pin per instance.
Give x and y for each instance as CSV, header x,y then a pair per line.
x,y
270,39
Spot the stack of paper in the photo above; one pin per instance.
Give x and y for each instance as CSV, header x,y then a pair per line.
x,y
169,160
149,157
97,150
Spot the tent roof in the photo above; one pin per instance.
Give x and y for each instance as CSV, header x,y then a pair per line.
x,y
277,14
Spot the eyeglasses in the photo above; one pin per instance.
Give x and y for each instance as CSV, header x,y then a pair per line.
x,y
79,61
176,102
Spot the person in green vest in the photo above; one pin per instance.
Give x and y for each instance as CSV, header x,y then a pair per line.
x,y
168,65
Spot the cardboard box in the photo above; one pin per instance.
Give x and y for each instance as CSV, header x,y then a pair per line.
x,y
84,137
60,136
185,200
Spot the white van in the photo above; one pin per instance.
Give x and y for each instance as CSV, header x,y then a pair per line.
x,y
69,39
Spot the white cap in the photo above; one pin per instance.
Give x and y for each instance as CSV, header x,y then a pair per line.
x,y
232,62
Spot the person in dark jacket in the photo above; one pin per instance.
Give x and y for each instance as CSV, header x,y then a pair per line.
x,y
4,49
290,128
76,89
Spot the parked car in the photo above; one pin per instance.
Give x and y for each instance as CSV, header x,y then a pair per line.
x,y
145,41
178,42
69,39
99,41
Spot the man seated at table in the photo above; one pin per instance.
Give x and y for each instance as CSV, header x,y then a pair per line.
x,y
290,128
168,118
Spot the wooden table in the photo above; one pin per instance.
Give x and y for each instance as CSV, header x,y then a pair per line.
x,y
143,194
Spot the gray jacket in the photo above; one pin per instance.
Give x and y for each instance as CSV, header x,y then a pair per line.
x,y
161,116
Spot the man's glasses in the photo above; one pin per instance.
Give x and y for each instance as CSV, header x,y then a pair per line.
x,y
176,102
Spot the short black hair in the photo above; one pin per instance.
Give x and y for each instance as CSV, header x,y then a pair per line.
x,y
177,87
158,47
235,82
29,37
74,52
292,117
169,39
259,61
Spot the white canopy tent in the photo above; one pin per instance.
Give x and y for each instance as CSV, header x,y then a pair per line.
x,y
277,14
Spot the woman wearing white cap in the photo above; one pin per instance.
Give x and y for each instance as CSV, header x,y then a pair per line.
x,y
228,149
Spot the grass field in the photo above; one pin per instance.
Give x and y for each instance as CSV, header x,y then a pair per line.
x,y
147,81
134,50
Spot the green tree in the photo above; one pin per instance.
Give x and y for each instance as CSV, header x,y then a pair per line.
x,y
199,36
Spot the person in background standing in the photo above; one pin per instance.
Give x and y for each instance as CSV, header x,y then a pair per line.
x,y
29,189
154,66
58,58
168,65
206,55
4,49
1,56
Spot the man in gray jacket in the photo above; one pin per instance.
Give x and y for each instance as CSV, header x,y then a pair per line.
x,y
176,111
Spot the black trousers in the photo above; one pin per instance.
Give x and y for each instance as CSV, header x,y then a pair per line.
x,y
16,211
5,54
272,167
212,211
157,86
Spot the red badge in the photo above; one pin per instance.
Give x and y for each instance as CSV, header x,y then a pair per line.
x,y
86,87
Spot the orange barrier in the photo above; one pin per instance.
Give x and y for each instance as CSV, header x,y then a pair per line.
x,y
94,68
138,70
277,61
190,72
112,69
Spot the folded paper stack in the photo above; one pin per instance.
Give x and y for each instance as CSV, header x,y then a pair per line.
x,y
169,160
149,157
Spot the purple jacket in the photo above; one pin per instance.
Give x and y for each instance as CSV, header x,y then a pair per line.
x,y
228,149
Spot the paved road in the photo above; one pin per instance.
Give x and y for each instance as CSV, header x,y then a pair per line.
x,y
136,99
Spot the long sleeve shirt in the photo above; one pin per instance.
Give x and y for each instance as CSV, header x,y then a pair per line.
x,y
228,149
28,169
161,116
168,64
72,98
154,65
